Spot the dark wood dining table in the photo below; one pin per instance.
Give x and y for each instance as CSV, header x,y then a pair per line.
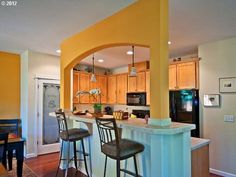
x,y
17,145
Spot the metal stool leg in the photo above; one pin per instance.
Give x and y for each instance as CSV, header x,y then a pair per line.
x,y
84,154
75,155
105,168
68,156
117,168
135,165
60,157
90,157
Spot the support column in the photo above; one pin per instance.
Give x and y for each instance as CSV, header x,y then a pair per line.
x,y
159,89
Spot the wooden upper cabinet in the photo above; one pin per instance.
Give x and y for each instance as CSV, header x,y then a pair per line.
x,y
102,85
75,86
148,87
172,77
137,84
141,81
140,66
186,75
111,89
122,87
93,85
84,80
132,84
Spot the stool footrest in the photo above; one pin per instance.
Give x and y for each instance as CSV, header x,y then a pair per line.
x,y
129,172
86,154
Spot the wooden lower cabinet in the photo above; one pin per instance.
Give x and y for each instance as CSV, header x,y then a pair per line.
x,y
111,89
122,86
200,162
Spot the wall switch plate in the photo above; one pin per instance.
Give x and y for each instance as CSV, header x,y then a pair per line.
x,y
229,118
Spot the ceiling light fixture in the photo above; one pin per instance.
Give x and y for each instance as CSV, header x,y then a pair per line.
x,y
93,78
129,52
133,71
58,51
100,60
169,42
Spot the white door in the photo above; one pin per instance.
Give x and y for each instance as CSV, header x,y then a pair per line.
x,y
48,101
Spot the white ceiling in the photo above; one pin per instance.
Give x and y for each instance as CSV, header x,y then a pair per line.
x,y
41,25
117,57
196,22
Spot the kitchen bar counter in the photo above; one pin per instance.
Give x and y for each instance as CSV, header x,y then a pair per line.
x,y
167,149
139,124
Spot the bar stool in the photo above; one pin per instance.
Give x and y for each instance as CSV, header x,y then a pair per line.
x,y
115,147
71,135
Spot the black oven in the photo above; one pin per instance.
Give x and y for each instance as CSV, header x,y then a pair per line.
x,y
136,99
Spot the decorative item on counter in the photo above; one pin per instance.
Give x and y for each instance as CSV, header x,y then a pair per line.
x,y
120,115
133,116
146,118
97,106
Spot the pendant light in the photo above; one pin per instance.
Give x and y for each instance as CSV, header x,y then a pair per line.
x,y
133,71
93,78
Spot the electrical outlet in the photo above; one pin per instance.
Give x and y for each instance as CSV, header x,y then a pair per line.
x,y
229,118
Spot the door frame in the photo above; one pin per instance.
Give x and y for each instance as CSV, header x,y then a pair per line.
x,y
37,78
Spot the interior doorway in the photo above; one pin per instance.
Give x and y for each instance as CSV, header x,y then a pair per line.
x,y
48,100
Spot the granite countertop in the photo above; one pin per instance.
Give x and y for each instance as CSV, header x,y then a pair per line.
x,y
140,124
198,143
137,124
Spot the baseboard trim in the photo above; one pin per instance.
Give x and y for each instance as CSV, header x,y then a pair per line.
x,y
221,173
30,155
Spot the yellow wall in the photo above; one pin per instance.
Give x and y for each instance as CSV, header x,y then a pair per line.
x,y
9,85
143,23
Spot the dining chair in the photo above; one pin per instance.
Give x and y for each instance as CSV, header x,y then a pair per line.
x,y
3,148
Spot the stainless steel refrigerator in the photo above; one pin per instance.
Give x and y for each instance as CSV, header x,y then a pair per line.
x,y
184,108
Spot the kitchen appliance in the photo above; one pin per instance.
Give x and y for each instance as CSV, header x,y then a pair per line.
x,y
136,99
141,113
184,108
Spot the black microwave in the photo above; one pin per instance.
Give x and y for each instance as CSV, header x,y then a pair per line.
x,y
136,99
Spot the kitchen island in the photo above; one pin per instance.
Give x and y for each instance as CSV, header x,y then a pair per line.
x,y
167,149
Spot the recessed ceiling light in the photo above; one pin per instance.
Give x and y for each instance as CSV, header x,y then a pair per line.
x,y
100,60
169,42
58,51
129,52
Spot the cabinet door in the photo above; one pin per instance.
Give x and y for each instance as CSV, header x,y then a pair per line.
x,y
84,80
148,87
75,86
111,89
102,80
121,88
132,84
141,82
200,162
93,85
172,77
186,75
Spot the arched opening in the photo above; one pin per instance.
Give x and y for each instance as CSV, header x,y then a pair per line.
x,y
110,62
